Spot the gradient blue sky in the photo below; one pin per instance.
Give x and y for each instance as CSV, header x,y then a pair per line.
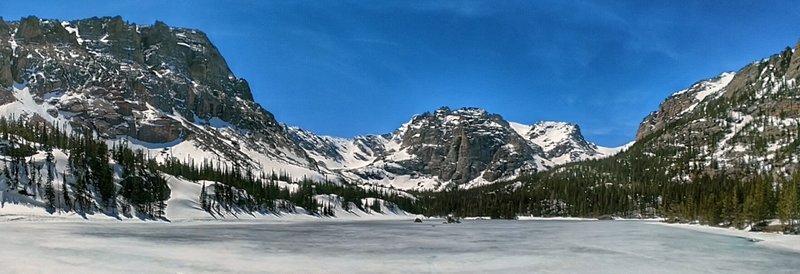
x,y
348,68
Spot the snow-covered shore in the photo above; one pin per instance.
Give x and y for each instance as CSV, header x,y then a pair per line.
x,y
184,206
22,213
770,240
536,218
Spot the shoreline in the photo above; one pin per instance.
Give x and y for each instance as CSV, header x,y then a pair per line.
x,y
21,213
18,214
789,243
248,219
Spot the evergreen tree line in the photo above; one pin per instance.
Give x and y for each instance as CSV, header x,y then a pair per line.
x,y
591,190
88,185
232,190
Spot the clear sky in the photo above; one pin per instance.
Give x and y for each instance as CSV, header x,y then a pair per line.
x,y
348,68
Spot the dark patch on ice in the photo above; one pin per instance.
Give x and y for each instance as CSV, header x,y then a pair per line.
x,y
749,239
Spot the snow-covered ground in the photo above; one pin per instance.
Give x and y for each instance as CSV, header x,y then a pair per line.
x,y
479,246
184,206
771,240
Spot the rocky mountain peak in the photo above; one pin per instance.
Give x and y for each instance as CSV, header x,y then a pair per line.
x,y
561,142
153,83
553,129
447,147
552,134
683,102
462,145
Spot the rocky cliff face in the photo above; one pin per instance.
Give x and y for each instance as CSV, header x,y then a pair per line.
x,y
683,102
155,84
464,144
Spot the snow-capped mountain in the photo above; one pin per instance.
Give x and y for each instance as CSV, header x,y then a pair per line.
x,y
562,142
466,147
157,87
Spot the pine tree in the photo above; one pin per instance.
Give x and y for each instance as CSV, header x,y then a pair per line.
x,y
203,198
49,191
65,193
787,203
50,196
82,200
376,206
345,204
104,177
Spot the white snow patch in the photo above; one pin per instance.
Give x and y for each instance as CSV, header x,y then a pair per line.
x,y
707,88
72,30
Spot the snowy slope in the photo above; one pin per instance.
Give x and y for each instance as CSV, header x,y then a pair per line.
x,y
686,101
704,89
24,106
339,153
27,105
184,206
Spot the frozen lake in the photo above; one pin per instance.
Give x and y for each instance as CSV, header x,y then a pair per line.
x,y
380,246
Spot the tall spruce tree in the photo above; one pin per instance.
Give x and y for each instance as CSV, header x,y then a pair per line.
x,y
788,201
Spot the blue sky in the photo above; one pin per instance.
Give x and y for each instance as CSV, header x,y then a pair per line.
x,y
348,68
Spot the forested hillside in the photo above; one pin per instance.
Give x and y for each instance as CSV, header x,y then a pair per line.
x,y
725,151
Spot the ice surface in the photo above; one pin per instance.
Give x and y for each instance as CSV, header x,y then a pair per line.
x,y
477,246
773,240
